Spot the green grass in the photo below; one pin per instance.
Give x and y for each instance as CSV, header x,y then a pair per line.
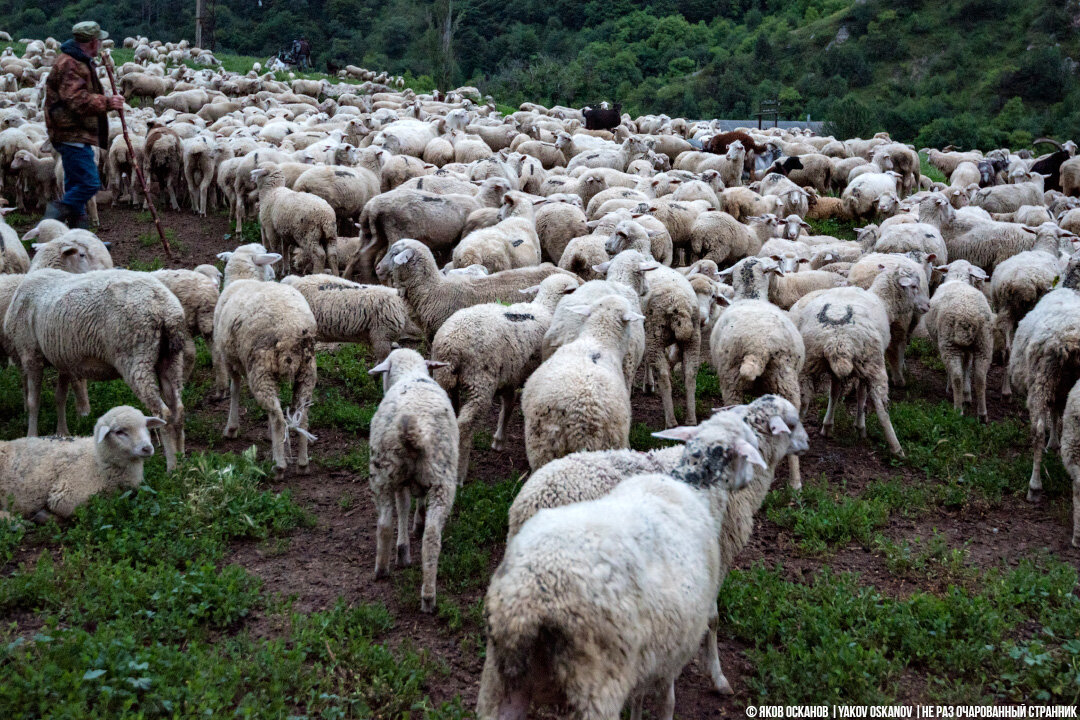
x,y
839,229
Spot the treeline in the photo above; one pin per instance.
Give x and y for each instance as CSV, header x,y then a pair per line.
x,y
933,72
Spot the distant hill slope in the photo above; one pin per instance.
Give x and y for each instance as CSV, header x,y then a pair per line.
x,y
933,72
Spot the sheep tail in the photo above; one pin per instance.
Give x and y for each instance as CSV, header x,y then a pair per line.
x,y
751,369
841,365
966,331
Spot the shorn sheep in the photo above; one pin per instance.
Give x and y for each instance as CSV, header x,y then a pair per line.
x,y
414,446
602,640
55,475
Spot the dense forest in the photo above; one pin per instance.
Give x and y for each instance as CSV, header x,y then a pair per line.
x,y
932,72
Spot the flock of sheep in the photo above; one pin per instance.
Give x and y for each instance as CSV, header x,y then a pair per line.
x,y
526,252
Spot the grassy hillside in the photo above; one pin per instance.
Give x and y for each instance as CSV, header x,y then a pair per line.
x,y
969,72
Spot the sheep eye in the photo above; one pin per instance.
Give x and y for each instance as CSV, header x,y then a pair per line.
x,y
119,432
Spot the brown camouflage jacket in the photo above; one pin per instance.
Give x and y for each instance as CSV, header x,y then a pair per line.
x,y
75,101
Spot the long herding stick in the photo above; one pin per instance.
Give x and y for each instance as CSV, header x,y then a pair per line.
x,y
107,57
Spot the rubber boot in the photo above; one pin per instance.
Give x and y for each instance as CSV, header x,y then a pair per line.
x,y
53,211
82,222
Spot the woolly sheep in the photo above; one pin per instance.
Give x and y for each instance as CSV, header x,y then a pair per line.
x,y
492,349
578,398
13,256
557,223
643,627
511,243
265,333
39,476
959,322
248,262
295,219
98,326
1009,198
719,237
432,297
347,190
349,312
1070,453
414,444
785,291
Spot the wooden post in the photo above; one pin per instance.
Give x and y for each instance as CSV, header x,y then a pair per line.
x,y
198,23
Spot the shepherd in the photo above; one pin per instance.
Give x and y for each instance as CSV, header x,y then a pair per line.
x,y
75,116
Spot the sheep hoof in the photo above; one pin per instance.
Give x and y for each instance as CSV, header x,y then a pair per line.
x,y
1076,542
427,605
826,430
231,432
279,473
899,452
722,686
381,573
984,419
403,558
303,469
1034,495
41,517
497,445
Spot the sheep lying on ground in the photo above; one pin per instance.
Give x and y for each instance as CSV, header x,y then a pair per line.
x,y
492,349
265,333
55,475
598,643
349,312
414,444
578,398
960,322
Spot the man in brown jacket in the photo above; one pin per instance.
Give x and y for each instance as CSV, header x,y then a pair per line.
x,y
75,115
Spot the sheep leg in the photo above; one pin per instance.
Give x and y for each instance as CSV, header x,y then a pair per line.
x,y
1006,388
232,425
954,366
636,705
659,366
82,399
62,383
303,389
860,408
968,357
690,360
189,177
440,499
403,499
1074,471
366,260
712,659
667,712
894,355
204,190
835,389
32,374
1038,445
981,367
473,400
506,397
264,389
419,515
170,376
879,395
384,531
142,378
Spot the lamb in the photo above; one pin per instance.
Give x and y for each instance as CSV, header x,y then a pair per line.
x,y
349,312
511,243
289,219
846,331
201,155
74,251
960,322
43,476
433,297
1020,281
265,333
1045,360
492,349
788,254
35,180
414,446
596,645
587,476
347,190
99,326
578,398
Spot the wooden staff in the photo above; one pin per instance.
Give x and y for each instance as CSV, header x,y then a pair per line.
x,y
107,57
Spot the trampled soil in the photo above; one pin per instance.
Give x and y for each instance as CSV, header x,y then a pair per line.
x,y
335,557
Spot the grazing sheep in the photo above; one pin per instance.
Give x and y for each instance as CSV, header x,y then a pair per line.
x,y
265,333
601,641
492,349
99,326
414,446
39,476
578,398
433,297
295,219
960,322
349,312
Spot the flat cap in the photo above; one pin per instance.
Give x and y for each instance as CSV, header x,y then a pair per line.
x,y
88,30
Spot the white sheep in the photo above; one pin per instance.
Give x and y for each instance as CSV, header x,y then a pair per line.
x,y
511,243
1070,453
39,476
578,398
293,219
414,445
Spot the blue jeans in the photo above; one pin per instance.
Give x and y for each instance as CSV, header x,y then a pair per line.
x,y
81,181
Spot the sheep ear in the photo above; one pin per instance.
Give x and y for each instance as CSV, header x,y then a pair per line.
x,y
382,367
403,257
1027,229
723,274
750,453
682,433
978,273
100,432
941,268
584,310
224,255
646,267
153,422
265,259
432,364
881,266
906,281
602,268
931,258
530,290
631,316
777,425
722,300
